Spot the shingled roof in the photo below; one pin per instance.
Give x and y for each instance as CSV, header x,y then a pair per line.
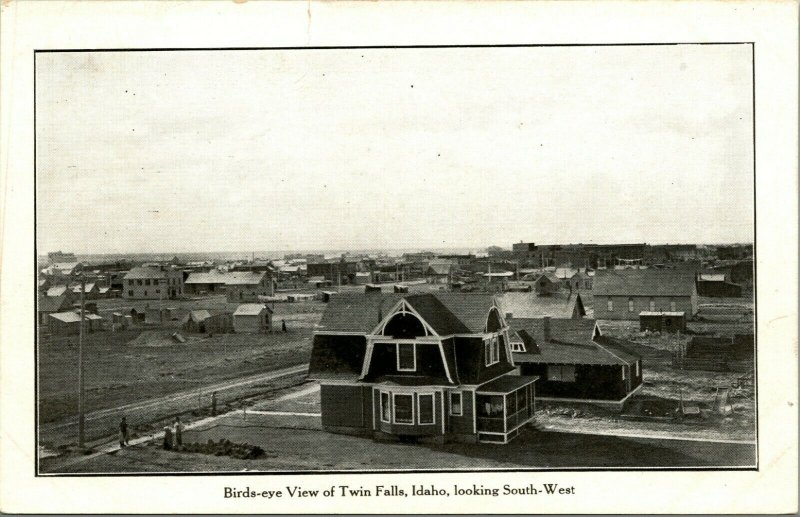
x,y
447,313
531,305
643,282
571,342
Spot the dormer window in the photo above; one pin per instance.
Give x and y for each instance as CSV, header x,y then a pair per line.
x,y
517,347
492,351
406,357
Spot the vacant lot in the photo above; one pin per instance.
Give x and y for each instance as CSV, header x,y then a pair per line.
x,y
144,362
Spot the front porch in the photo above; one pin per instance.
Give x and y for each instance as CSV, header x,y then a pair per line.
x,y
503,406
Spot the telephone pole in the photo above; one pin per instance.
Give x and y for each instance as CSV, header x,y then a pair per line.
x,y
81,385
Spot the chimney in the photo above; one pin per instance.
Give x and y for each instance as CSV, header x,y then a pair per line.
x,y
546,327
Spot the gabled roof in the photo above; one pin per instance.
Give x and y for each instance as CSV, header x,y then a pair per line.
x,y
570,342
530,305
244,278
67,317
145,272
88,289
643,282
357,313
439,268
250,309
446,313
210,277
565,273
549,276
198,315
58,290
52,303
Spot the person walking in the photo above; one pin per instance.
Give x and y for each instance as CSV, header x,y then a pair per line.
x,y
178,432
123,432
167,438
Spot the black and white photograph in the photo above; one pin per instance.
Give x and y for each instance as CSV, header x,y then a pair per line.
x,y
396,259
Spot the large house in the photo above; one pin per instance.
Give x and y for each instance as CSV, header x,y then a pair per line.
x,y
574,361
153,283
624,294
433,366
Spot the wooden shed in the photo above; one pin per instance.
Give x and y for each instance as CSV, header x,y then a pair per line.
x,y
252,318
662,321
214,322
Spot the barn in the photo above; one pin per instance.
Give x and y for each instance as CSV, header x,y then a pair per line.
x,y
252,318
717,285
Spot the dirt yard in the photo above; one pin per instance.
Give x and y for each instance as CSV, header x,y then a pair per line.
x,y
145,362
297,443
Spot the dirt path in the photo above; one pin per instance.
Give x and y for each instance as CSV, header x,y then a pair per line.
x,y
102,423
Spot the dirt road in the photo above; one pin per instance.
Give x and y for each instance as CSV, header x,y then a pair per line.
x,y
103,423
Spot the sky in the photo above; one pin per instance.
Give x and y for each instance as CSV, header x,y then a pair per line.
x,y
393,148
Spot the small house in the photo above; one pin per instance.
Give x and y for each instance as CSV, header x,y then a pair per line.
x,y
319,281
208,321
547,283
398,288
327,295
716,285
568,277
91,291
430,367
68,323
362,278
574,361
662,321
50,305
372,288
252,318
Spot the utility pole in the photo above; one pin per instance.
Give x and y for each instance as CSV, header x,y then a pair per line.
x,y
81,384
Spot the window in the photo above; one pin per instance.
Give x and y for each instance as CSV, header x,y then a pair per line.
x,y
158,291
145,292
517,347
672,305
652,305
146,281
138,282
637,369
623,372
455,403
406,357
130,282
492,351
403,409
630,304
386,410
561,372
610,304
425,409
130,293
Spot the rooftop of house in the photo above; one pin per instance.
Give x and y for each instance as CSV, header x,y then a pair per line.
x,y
58,290
446,313
251,309
145,272
52,303
567,341
530,305
643,282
